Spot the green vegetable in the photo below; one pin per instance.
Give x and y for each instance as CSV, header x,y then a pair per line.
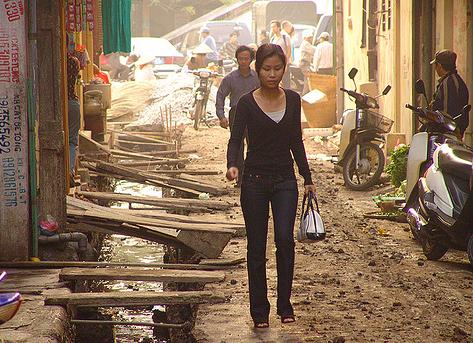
x,y
397,166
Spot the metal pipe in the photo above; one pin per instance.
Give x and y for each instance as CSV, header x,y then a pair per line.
x,y
121,323
78,237
32,115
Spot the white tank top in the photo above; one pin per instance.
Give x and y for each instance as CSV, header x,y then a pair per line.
x,y
276,116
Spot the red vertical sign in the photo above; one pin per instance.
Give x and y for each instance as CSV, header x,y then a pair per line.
x,y
14,193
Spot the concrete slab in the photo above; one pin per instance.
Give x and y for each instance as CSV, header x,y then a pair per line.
x,y
34,322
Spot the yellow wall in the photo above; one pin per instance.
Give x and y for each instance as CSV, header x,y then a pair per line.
x,y
405,72
354,56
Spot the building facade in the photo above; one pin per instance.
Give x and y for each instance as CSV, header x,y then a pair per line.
x,y
393,41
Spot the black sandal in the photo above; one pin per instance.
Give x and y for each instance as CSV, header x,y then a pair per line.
x,y
261,325
288,319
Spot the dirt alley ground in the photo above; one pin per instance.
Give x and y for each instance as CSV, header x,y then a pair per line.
x,y
367,282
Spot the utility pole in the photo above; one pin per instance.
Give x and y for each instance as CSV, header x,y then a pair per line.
x,y
15,235
52,110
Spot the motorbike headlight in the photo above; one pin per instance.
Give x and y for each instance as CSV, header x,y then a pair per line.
x,y
204,74
372,103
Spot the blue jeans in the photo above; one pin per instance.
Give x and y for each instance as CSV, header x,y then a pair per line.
x,y
74,126
257,192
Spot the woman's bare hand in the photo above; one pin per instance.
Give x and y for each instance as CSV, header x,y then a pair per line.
x,y
232,174
309,189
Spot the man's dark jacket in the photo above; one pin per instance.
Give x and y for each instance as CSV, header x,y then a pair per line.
x,y
451,96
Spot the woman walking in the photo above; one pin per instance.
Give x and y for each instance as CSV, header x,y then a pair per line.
x,y
272,117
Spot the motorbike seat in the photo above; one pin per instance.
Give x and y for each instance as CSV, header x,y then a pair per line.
x,y
456,160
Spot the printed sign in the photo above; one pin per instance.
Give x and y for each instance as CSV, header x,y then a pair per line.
x,y
14,201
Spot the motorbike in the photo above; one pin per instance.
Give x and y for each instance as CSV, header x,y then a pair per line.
x,y
297,78
362,135
202,85
439,195
9,303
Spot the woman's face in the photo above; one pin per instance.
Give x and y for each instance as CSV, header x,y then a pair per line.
x,y
271,72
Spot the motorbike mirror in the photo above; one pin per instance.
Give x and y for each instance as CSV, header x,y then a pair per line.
x,y
386,89
352,73
420,87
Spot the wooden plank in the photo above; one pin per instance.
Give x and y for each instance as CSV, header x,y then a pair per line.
x,y
181,218
88,145
140,138
117,217
136,155
154,163
127,299
187,171
155,201
223,262
144,144
140,274
80,264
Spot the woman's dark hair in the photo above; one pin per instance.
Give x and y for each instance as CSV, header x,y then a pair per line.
x,y
268,50
242,48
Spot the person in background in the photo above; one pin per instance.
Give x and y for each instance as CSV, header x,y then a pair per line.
x,y
73,112
100,76
307,55
288,28
144,69
263,37
272,117
323,57
452,93
282,39
253,47
236,84
229,48
209,40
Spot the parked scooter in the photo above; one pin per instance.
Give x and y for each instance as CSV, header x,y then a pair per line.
x,y
362,134
9,303
202,85
439,197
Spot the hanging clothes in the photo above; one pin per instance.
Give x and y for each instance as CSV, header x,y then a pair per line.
x,y
116,26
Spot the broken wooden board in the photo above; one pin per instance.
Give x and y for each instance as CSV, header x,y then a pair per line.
x,y
130,299
182,218
117,217
140,274
82,264
208,244
169,203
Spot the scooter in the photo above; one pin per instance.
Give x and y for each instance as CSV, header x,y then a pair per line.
x,y
9,303
362,134
439,202
202,84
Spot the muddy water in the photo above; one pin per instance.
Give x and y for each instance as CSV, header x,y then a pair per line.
x,y
119,248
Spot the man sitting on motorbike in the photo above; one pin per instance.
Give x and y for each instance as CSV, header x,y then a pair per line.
x,y
452,93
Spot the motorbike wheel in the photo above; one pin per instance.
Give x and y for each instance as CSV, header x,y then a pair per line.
x,y
470,250
198,113
372,159
433,250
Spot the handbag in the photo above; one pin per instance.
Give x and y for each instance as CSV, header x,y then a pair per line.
x,y
311,228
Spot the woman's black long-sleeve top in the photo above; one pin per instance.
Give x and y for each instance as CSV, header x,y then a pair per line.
x,y
269,143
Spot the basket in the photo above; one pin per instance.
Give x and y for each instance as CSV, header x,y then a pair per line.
x,y
373,120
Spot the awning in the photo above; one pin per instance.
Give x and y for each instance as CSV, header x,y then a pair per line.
x,y
116,26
